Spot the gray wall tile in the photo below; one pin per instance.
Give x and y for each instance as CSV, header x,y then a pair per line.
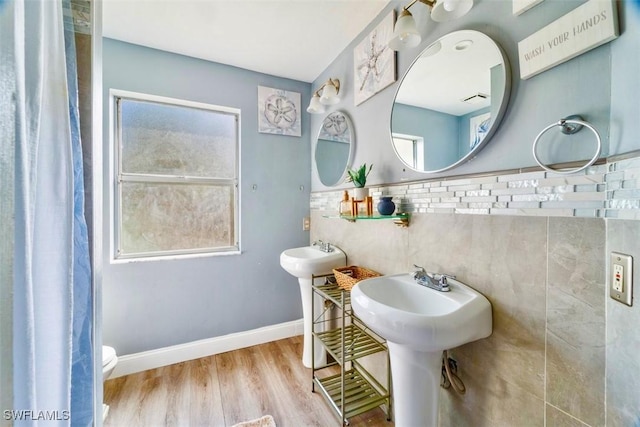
x,y
557,418
623,334
576,318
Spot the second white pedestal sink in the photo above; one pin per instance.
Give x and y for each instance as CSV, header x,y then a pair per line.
x,y
418,324
302,263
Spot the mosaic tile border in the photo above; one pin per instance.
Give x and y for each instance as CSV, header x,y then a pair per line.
x,y
610,190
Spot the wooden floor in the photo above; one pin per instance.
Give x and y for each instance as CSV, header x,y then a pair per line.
x,y
224,389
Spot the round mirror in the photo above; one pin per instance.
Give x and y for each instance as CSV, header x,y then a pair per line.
x,y
334,148
450,101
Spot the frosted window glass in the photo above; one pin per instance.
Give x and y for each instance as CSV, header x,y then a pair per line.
x,y
174,217
177,177
177,140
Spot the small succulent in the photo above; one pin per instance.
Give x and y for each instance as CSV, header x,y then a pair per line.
x,y
359,176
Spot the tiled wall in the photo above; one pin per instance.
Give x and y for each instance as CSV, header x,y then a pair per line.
x,y
537,249
623,334
603,191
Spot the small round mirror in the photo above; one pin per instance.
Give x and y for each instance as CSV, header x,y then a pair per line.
x,y
334,148
450,101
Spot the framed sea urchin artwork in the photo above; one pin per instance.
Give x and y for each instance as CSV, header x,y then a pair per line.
x,y
279,112
374,63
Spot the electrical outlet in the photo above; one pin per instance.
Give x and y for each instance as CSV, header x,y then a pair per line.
x,y
621,280
306,223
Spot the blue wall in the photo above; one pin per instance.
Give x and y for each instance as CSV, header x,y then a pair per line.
x,y
153,304
331,157
435,127
625,81
581,85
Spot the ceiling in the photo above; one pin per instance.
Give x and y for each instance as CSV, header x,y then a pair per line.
x,y
454,68
296,39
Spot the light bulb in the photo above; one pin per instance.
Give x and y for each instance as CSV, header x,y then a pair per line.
x,y
329,94
404,37
315,107
405,33
447,10
449,5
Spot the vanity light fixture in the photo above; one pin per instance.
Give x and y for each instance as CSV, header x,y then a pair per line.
x,y
405,33
326,95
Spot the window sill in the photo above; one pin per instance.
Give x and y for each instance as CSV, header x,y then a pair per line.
x,y
173,257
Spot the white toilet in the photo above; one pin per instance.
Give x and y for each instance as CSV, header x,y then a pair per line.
x,y
109,362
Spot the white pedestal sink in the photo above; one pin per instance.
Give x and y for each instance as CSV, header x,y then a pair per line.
x,y
302,263
418,324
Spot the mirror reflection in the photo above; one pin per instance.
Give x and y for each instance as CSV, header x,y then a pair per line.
x,y
334,147
450,101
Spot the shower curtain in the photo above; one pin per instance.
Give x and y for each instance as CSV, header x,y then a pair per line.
x,y
81,343
52,308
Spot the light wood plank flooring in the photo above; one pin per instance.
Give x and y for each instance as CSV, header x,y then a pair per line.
x,y
225,389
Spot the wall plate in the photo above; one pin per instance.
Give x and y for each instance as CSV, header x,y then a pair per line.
x,y
621,278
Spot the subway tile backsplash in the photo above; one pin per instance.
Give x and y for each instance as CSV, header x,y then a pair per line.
x,y
609,190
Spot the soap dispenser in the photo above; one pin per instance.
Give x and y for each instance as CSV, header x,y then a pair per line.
x,y
345,204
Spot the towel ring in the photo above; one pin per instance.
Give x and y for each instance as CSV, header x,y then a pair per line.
x,y
569,125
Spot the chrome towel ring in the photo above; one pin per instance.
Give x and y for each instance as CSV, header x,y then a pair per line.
x,y
569,125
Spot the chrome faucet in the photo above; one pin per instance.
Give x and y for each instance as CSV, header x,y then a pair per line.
x,y
435,281
324,247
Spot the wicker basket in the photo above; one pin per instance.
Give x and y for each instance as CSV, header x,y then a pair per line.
x,y
347,277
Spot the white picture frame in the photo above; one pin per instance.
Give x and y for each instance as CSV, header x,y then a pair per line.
x,y
521,6
279,112
374,62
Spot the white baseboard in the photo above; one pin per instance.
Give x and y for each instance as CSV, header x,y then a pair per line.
x,y
138,362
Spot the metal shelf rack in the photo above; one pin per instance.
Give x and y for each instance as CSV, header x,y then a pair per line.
x,y
353,390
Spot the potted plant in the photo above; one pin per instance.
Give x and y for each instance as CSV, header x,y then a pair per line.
x,y
359,179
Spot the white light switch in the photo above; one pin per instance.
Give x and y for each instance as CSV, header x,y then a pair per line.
x,y
621,285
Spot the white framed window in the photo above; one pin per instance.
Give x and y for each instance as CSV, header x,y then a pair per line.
x,y
410,148
176,169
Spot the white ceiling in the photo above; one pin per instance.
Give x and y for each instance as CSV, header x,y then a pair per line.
x,y
295,39
440,79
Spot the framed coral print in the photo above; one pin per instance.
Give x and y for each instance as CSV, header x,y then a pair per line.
x,y
279,112
374,63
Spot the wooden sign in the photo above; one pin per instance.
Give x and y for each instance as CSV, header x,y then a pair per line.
x,y
584,28
521,6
